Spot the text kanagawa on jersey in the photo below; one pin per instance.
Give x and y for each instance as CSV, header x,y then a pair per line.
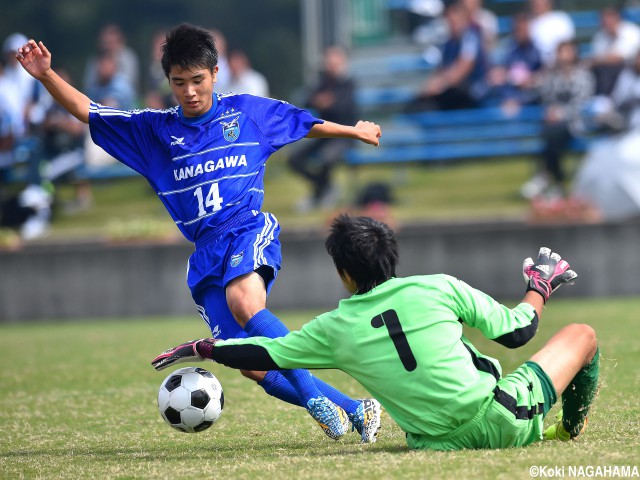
x,y
209,166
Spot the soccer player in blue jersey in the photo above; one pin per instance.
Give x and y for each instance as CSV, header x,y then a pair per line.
x,y
205,158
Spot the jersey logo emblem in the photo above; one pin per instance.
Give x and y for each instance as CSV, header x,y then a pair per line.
x,y
177,140
231,130
236,259
215,333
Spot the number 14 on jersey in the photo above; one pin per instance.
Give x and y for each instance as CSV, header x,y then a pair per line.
x,y
213,199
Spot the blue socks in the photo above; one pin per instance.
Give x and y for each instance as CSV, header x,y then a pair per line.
x,y
266,324
278,386
293,386
336,396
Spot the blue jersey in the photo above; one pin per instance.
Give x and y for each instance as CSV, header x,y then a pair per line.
x,y
207,170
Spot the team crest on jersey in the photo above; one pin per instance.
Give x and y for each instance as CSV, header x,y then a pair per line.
x,y
236,259
231,130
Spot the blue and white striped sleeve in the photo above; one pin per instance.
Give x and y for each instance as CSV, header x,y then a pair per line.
x,y
123,134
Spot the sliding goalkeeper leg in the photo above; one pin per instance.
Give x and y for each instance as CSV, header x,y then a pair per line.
x,y
571,360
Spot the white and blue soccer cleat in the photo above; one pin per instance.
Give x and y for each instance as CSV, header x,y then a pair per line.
x,y
366,420
332,419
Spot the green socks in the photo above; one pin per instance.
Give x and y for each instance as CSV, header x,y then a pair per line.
x,y
577,397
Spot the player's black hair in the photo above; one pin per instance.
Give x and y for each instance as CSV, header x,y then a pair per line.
x,y
613,8
453,4
189,46
363,248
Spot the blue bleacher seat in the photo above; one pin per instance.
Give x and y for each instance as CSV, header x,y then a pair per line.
x,y
459,134
379,96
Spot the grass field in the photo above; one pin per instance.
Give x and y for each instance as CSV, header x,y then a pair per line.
x,y
77,401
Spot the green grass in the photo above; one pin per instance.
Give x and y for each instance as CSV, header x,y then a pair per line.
x,y
475,190
77,400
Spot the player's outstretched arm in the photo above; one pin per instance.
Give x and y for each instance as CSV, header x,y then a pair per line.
x,y
36,59
186,352
239,356
367,132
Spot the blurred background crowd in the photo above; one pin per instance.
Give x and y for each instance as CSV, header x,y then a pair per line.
x,y
583,75
575,70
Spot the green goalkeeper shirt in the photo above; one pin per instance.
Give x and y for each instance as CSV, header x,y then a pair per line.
x,y
403,342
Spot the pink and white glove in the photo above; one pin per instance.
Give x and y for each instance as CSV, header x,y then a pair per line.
x,y
193,351
547,273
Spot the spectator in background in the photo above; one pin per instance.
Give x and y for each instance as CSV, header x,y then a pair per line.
x,y
619,112
485,20
19,93
459,81
63,138
14,74
244,79
565,90
223,79
333,99
110,86
30,210
513,79
375,201
158,93
607,183
613,46
8,127
111,40
626,95
549,28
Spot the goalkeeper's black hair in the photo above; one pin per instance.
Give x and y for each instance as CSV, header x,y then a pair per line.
x,y
363,248
188,47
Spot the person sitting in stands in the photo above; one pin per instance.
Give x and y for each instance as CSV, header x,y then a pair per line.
x,y
458,83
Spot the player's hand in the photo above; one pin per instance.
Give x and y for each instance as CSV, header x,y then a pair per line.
x,y
369,132
34,58
187,352
547,273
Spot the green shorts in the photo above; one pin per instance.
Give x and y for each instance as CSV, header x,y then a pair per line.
x,y
512,416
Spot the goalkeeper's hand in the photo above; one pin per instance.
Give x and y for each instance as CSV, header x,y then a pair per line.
x,y
547,273
187,352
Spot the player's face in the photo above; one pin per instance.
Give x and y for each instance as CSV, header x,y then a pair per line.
x,y
193,89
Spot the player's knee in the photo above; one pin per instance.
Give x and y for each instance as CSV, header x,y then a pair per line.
x,y
585,332
238,309
243,309
586,335
246,297
253,375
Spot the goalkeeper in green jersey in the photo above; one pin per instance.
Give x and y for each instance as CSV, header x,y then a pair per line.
x,y
402,339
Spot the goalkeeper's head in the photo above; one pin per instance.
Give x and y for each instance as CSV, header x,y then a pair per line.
x,y
364,251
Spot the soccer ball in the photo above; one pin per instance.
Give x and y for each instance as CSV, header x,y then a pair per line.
x,y
191,399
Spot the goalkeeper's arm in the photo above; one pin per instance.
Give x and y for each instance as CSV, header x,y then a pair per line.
x,y
305,348
515,327
510,327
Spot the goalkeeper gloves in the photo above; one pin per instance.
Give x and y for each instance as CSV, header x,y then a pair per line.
x,y
547,273
193,351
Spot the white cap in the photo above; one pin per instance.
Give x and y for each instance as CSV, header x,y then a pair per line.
x,y
13,42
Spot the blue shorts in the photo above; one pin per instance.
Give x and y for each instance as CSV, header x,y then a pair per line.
x,y
245,247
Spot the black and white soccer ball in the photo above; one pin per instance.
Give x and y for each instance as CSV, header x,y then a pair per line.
x,y
191,399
